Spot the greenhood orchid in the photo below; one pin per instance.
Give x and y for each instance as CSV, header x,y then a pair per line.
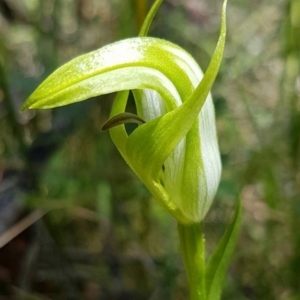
x,y
174,151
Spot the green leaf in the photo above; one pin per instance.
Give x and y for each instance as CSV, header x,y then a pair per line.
x,y
220,259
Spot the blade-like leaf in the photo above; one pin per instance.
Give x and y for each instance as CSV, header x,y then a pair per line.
x,y
220,259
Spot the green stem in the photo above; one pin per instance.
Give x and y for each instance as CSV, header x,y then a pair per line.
x,y
192,246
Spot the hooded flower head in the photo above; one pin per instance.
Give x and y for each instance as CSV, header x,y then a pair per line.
x,y
174,150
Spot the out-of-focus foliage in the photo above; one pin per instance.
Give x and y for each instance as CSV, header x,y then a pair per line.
x,y
103,237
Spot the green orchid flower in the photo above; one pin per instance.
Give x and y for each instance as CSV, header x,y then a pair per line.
x,y
175,151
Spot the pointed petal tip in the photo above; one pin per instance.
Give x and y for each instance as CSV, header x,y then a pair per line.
x,y
24,107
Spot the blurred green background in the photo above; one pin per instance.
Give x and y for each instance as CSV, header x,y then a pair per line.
x,y
96,232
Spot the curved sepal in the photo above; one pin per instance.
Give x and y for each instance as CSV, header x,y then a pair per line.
x,y
136,63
